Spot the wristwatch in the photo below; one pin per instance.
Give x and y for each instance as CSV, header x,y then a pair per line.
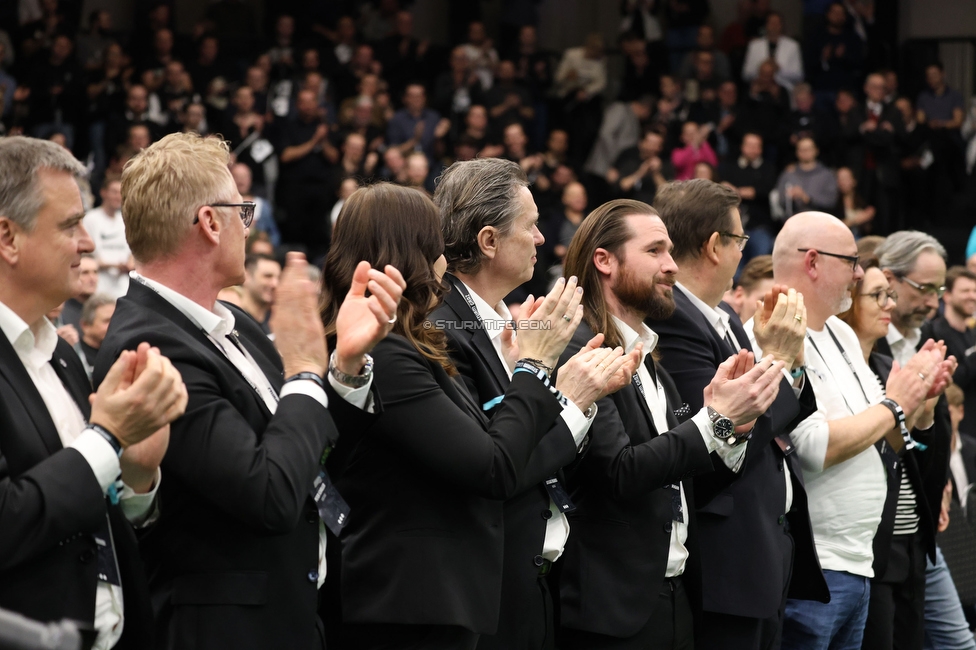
x,y
353,381
722,427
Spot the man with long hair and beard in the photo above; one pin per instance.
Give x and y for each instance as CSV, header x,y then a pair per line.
x,y
621,583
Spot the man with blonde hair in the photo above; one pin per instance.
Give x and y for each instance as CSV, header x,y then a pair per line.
x,y
238,555
66,547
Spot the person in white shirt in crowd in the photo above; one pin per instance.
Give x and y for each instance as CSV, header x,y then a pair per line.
x,y
783,50
107,230
843,471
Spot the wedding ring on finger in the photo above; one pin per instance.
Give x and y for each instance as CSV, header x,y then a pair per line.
x,y
921,376
392,320
567,318
799,319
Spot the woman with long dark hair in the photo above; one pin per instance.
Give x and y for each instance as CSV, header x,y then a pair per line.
x,y
421,553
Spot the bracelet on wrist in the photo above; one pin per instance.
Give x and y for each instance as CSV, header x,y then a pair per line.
x,y
539,364
109,437
311,376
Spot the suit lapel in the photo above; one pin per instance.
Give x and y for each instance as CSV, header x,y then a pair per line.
x,y
76,383
16,375
149,299
479,337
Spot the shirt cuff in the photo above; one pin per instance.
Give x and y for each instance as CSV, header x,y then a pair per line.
x,y
578,424
140,509
100,455
731,456
305,387
359,397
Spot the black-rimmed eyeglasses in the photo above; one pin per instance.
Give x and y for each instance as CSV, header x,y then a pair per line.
x,y
246,210
740,240
882,296
927,289
853,259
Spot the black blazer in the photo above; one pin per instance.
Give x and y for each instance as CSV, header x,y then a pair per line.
x,y
918,465
745,515
233,558
51,503
617,554
526,514
425,484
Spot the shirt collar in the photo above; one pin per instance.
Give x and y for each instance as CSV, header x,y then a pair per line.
x,y
647,336
217,322
499,312
37,347
716,317
895,337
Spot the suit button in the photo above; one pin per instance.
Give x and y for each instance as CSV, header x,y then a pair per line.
x,y
538,560
547,514
781,520
312,517
87,555
667,527
313,576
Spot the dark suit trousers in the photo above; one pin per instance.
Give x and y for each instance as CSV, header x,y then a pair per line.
x,y
524,623
727,632
670,627
389,636
896,611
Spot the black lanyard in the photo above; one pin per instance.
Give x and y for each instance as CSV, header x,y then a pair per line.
x,y
675,488
849,365
463,290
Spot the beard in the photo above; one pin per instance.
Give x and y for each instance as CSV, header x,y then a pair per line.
x,y
846,303
642,296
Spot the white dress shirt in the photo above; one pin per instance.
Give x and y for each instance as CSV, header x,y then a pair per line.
x,y
719,320
557,526
217,324
657,403
35,348
788,57
958,468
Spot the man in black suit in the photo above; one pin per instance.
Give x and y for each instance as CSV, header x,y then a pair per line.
x,y
743,592
237,556
66,547
634,535
491,237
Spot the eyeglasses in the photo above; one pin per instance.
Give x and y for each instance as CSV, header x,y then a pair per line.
x,y
741,240
853,259
247,211
927,289
882,296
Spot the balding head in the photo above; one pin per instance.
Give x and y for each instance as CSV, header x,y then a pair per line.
x,y
817,272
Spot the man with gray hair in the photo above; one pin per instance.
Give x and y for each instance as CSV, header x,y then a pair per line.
x,y
491,232
95,318
67,547
914,264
